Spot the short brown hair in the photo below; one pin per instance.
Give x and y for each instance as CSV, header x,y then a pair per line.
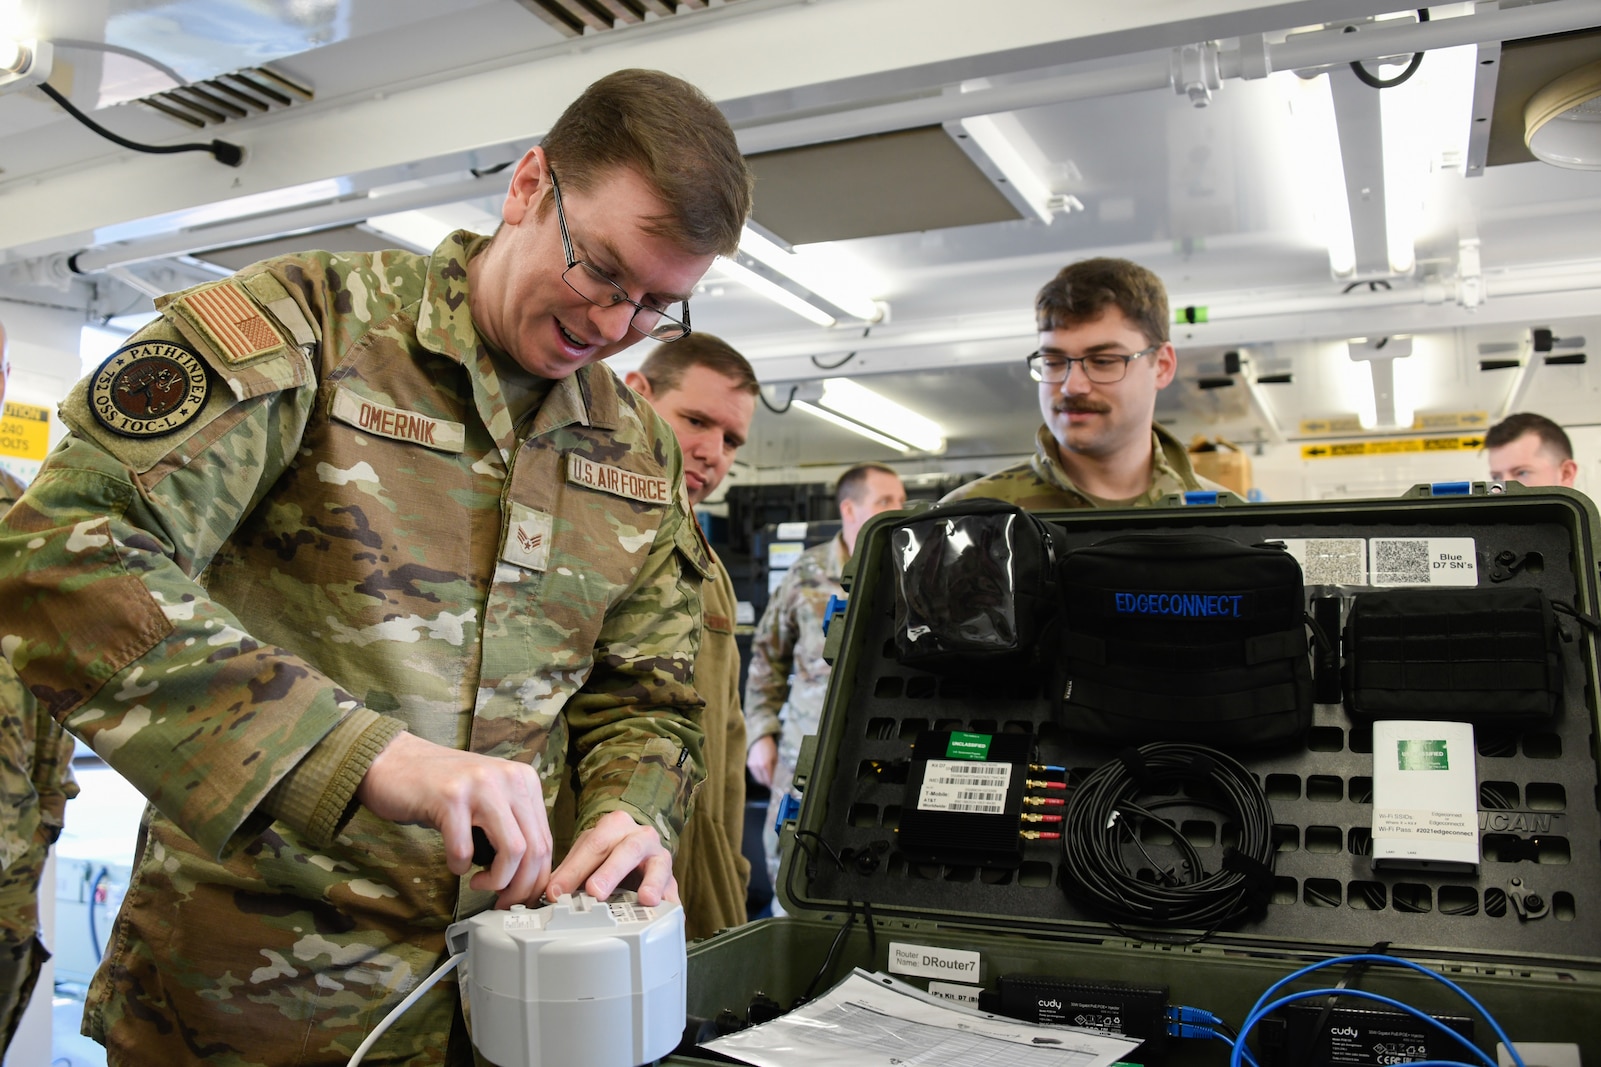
x,y
853,482
665,367
675,138
1082,291
1515,426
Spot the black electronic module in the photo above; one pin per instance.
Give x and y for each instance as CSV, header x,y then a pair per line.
x,y
964,799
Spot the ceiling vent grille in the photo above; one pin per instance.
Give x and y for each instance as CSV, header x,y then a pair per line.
x,y
574,18
241,94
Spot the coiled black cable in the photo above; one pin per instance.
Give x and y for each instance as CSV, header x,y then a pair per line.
x,y
1104,817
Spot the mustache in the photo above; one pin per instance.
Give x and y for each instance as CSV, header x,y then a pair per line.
x,y
1080,405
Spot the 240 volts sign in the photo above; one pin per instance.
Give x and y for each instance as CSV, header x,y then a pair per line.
x,y
24,431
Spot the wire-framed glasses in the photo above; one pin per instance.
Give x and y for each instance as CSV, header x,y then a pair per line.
x,y
1102,368
589,283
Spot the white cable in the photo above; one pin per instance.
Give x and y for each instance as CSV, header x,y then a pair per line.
x,y
400,1009
102,46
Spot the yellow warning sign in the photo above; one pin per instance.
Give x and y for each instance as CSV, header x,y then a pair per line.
x,y
24,431
1331,425
1451,420
1392,445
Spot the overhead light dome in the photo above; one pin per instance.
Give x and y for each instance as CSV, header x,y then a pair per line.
x,y
1562,122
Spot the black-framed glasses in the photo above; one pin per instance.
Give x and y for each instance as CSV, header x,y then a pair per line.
x,y
589,283
1102,368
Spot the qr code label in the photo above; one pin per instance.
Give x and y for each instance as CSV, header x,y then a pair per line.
x,y
1330,560
1422,561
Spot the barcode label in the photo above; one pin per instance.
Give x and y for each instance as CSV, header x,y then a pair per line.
x,y
1330,560
1422,561
624,912
965,786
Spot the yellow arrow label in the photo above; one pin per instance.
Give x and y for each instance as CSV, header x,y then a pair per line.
x,y
1331,425
1392,445
1451,420
24,431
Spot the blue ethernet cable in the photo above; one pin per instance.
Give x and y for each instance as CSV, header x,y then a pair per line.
x,y
1185,1021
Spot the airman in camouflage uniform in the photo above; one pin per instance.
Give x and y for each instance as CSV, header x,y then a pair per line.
x,y
1042,484
35,784
788,677
1104,354
707,393
348,554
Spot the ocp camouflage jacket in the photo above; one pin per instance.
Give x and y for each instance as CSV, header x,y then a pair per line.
x,y
294,517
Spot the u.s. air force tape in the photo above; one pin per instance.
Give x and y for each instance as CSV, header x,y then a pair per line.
x,y
149,388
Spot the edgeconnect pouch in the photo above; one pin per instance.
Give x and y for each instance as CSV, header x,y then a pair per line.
x,y
1184,637
975,586
1472,655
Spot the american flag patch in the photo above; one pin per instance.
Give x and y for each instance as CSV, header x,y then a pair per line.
x,y
234,324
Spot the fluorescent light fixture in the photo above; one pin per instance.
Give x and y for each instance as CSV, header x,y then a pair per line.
x,y
1000,147
857,402
1318,168
1384,406
424,228
853,427
773,291
1425,122
822,280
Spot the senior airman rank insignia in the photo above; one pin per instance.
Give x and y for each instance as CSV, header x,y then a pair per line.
x,y
149,388
528,535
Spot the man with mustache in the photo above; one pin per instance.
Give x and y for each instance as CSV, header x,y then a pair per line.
x,y
1104,353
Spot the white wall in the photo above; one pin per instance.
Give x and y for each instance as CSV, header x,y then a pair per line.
x,y
43,344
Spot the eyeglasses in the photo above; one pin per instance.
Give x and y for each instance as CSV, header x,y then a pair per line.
x,y
1102,368
589,283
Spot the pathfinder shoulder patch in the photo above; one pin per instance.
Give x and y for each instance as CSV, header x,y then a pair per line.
x,y
149,388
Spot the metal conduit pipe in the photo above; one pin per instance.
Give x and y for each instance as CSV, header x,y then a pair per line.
x,y
1256,60
1019,325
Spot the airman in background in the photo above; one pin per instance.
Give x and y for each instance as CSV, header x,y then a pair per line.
x,y
788,676
35,784
1104,354
1531,449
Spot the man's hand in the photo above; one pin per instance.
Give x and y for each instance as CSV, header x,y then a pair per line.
x,y
417,781
607,853
762,758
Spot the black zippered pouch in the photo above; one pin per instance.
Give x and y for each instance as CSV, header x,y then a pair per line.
x,y
1472,655
975,587
1186,637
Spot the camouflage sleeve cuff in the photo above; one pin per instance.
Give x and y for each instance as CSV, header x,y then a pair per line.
x,y
665,830
318,796
758,725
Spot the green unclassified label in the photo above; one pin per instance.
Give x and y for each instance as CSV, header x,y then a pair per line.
x,y
1414,755
968,746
